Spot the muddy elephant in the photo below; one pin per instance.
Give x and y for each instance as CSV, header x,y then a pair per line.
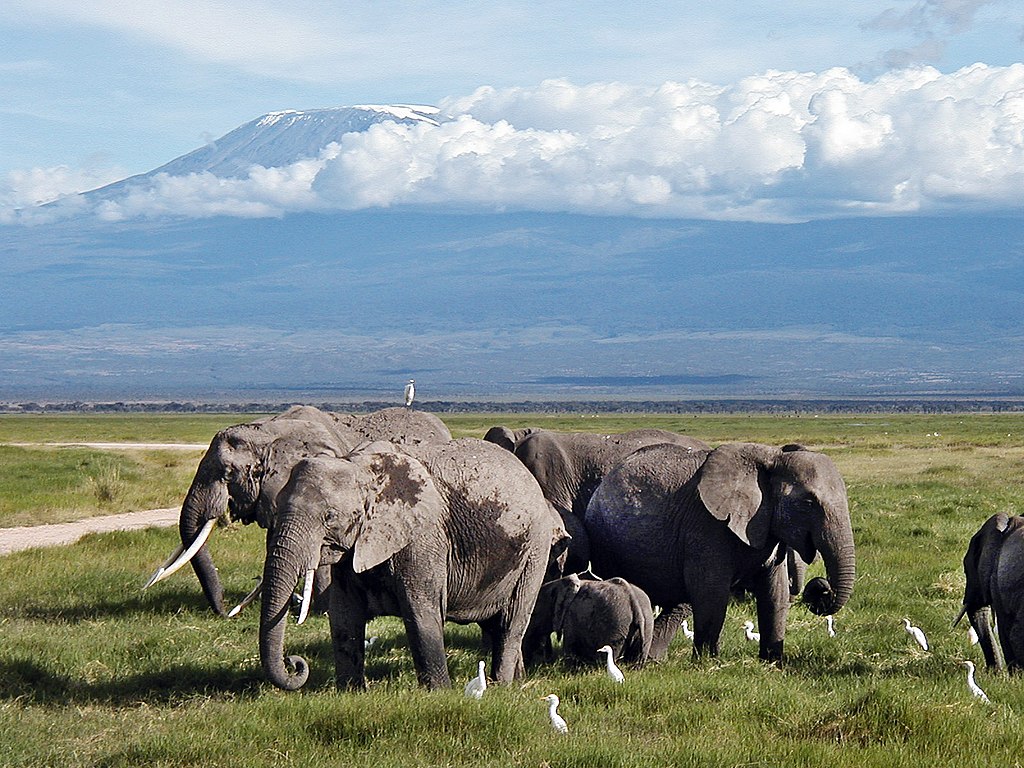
x,y
588,613
569,466
434,532
994,568
688,527
247,465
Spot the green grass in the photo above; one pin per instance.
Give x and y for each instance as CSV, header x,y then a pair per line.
x,y
95,672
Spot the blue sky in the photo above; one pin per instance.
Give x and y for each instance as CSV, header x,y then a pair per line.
x,y
92,92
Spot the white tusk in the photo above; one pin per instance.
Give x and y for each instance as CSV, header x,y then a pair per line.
x,y
247,599
307,595
162,568
187,555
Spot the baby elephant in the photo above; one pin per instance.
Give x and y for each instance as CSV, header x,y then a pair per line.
x,y
587,613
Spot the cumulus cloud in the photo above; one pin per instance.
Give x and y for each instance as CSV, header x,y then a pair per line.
x,y
776,146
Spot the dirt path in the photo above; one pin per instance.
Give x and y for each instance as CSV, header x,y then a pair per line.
x,y
32,536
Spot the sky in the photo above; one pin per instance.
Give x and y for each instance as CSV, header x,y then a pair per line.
x,y
744,110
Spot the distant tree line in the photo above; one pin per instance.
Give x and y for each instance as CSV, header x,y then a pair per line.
x,y
723,406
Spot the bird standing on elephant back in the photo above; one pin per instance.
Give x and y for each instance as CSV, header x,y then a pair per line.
x,y
994,568
246,466
439,531
688,526
570,465
588,613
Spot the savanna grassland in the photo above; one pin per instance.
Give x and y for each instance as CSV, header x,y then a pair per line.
x,y
95,672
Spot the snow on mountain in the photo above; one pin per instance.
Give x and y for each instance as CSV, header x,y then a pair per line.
x,y
281,138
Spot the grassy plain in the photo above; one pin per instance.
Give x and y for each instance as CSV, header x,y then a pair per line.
x,y
94,672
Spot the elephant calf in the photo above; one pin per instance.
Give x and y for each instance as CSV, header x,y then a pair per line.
x,y
588,613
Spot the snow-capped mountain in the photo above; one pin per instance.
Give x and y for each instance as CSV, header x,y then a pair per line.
x,y
280,138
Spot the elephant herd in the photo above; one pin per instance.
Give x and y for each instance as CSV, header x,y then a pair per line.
x,y
524,533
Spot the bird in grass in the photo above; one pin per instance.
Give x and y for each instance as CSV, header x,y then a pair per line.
x,y
830,625
973,686
557,722
613,671
476,686
749,633
410,392
916,633
687,632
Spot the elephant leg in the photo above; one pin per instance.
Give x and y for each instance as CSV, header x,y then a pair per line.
x,y
772,595
665,628
424,626
348,615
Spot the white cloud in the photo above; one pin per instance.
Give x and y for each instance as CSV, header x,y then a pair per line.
x,y
777,146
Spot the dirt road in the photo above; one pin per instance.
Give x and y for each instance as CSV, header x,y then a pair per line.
x,y
32,536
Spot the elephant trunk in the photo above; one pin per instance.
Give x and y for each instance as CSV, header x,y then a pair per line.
x,y
205,502
835,543
286,561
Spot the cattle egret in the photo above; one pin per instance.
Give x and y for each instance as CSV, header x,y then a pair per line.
x,y
410,392
687,632
975,688
748,631
557,722
613,671
476,686
916,633
830,624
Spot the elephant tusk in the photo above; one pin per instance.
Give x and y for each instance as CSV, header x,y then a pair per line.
x,y
959,616
184,557
307,595
247,599
157,573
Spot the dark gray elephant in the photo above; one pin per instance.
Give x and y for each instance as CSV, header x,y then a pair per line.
x,y
246,466
689,526
994,567
570,465
587,613
447,531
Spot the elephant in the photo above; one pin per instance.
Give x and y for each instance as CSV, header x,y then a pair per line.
x,y
454,531
569,466
689,526
994,568
588,613
246,466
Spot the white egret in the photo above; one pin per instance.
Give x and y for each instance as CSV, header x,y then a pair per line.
x,y
410,392
975,688
687,632
916,633
749,633
556,720
830,625
613,671
477,685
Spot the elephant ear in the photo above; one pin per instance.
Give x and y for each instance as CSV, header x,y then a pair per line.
x,y
402,503
731,485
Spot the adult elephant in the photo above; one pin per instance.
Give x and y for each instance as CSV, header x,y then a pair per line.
x,y
689,526
587,613
994,567
246,466
570,465
453,531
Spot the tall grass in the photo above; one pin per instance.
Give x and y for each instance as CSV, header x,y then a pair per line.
x,y
94,672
